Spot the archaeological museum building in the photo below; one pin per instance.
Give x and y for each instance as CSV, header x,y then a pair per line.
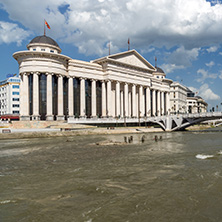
x,y
115,87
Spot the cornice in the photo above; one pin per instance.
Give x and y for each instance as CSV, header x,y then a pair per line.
x,y
38,54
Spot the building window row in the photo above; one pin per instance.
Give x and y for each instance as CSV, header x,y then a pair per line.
x,y
15,86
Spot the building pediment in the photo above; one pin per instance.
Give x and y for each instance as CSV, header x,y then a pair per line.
x,y
129,58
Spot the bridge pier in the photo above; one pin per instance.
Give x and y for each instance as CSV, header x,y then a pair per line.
x,y
168,124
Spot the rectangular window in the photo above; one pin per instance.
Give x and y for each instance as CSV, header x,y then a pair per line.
x,y
42,50
15,93
15,112
15,105
15,99
15,86
52,51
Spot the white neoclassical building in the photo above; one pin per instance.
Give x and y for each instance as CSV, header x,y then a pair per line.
x,y
57,87
178,98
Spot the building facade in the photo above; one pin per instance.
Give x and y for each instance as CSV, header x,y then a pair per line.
x,y
196,104
9,96
178,98
57,87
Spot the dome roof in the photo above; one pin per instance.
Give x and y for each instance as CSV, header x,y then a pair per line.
x,y
44,39
159,70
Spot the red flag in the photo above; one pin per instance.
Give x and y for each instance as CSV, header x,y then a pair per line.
x,y
47,25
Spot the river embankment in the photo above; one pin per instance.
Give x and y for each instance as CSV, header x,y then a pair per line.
x,y
42,133
41,130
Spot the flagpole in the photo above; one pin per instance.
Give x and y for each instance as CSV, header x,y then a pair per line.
x,y
44,27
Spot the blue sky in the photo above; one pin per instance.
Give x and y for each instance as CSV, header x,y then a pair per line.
x,y
184,35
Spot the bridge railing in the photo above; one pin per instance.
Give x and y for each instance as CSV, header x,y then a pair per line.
x,y
187,115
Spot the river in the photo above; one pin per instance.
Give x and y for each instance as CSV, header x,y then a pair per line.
x,y
176,178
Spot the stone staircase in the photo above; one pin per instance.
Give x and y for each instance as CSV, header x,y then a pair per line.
x,y
45,124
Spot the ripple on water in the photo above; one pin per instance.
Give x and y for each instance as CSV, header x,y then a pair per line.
x,y
203,156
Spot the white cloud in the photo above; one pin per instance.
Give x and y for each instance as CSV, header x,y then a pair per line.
x,y
207,94
148,23
212,49
169,68
210,64
10,32
220,75
205,75
180,59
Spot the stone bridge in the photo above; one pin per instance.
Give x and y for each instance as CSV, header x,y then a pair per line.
x,y
167,123
182,121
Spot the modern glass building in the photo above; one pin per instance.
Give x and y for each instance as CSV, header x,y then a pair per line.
x,y
10,96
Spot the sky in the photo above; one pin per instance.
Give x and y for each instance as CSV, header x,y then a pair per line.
x,y
184,35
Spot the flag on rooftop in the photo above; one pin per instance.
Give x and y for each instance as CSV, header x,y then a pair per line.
x,y
47,24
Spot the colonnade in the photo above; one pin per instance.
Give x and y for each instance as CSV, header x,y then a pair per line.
x,y
118,99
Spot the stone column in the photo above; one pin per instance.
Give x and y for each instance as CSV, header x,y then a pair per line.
x,y
35,114
148,108
158,103
70,99
104,99
141,101
121,104
117,99
49,115
24,95
130,103
154,101
82,98
162,103
126,100
60,115
109,99
93,98
134,101
168,103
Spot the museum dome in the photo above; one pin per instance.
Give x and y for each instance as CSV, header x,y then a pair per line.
x,y
44,40
159,70
159,73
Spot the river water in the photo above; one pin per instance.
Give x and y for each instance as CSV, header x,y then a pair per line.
x,y
178,178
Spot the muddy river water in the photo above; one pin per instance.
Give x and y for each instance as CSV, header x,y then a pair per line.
x,y
176,178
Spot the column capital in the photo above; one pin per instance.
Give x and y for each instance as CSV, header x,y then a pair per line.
x,y
37,73
25,74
